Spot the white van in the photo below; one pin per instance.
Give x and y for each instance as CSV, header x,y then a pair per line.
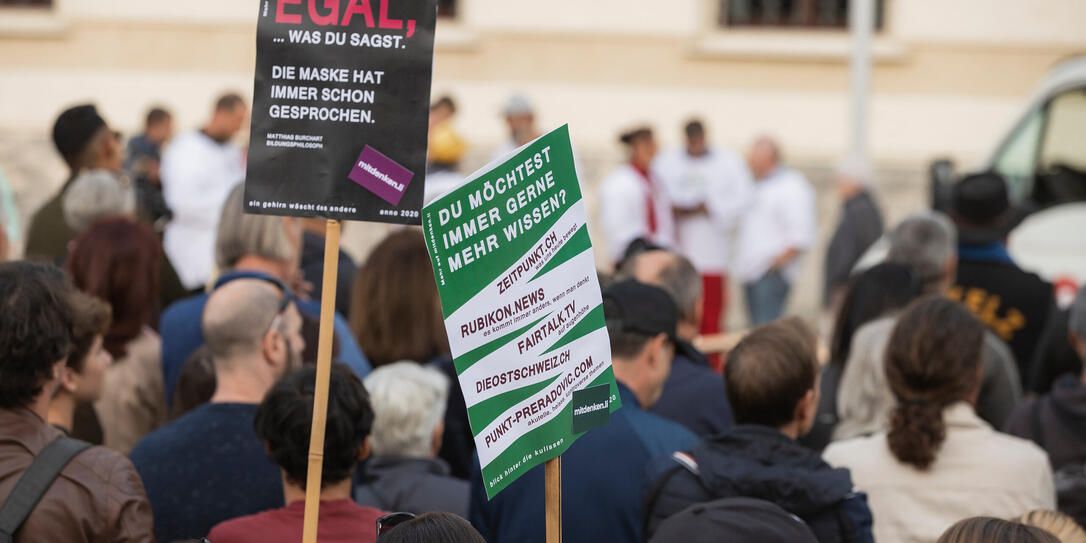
x,y
1043,159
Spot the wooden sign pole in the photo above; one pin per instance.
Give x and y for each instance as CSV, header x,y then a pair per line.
x,y
320,393
553,477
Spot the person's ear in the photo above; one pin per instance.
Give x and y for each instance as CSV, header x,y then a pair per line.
x,y
68,379
364,450
436,438
275,347
655,349
806,409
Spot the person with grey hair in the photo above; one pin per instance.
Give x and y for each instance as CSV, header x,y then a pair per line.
x,y
694,395
779,226
859,227
94,194
405,473
1057,421
208,466
265,247
926,241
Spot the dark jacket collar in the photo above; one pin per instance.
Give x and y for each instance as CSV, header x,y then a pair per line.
x,y
384,464
760,462
628,397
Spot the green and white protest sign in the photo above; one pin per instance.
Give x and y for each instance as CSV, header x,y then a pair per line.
x,y
522,304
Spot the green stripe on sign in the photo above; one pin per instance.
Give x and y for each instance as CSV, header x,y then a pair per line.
x,y
469,358
578,243
514,458
590,323
487,410
510,241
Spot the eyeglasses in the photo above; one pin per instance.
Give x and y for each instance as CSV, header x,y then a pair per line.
x,y
392,520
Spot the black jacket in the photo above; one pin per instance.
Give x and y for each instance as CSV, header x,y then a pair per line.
x,y
760,462
860,227
694,395
1057,423
1015,305
415,485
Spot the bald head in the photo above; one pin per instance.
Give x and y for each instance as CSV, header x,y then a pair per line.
x,y
237,316
673,273
763,157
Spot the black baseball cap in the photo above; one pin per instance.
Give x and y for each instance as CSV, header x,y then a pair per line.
x,y
982,208
74,128
641,308
744,520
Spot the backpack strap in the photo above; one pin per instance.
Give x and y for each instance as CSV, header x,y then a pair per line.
x,y
34,482
685,464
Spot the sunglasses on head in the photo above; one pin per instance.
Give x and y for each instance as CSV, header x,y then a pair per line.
x,y
392,520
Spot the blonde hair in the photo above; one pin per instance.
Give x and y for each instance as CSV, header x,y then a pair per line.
x,y
1058,524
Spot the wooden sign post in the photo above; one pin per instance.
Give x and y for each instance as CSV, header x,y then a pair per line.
x,y
553,477
324,371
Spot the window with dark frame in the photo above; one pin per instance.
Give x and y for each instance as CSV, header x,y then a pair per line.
x,y
809,14
26,3
446,8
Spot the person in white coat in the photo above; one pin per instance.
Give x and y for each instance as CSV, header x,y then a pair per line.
x,y
779,226
709,189
199,169
632,202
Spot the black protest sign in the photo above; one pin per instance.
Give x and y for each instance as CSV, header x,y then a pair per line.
x,y
340,109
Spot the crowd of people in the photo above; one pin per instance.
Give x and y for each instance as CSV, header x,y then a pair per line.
x,y
157,351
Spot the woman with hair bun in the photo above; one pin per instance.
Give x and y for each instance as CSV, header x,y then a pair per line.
x,y
939,462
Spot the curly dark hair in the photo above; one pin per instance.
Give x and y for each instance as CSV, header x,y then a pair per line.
x,y
35,329
284,420
932,361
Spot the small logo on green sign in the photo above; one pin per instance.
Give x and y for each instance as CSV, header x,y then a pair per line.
x,y
591,408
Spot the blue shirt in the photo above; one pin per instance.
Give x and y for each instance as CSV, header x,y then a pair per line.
x,y
182,335
604,478
206,467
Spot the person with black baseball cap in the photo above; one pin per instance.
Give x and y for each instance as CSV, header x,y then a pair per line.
x,y
604,473
84,141
1015,304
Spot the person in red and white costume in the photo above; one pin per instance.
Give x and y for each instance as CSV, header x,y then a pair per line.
x,y
709,189
632,202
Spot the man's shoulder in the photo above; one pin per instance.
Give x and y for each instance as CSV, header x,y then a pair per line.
x,y
183,309
170,436
876,329
658,436
103,464
618,180
244,528
854,451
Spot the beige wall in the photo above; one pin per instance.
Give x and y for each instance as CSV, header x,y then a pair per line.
x,y
948,77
